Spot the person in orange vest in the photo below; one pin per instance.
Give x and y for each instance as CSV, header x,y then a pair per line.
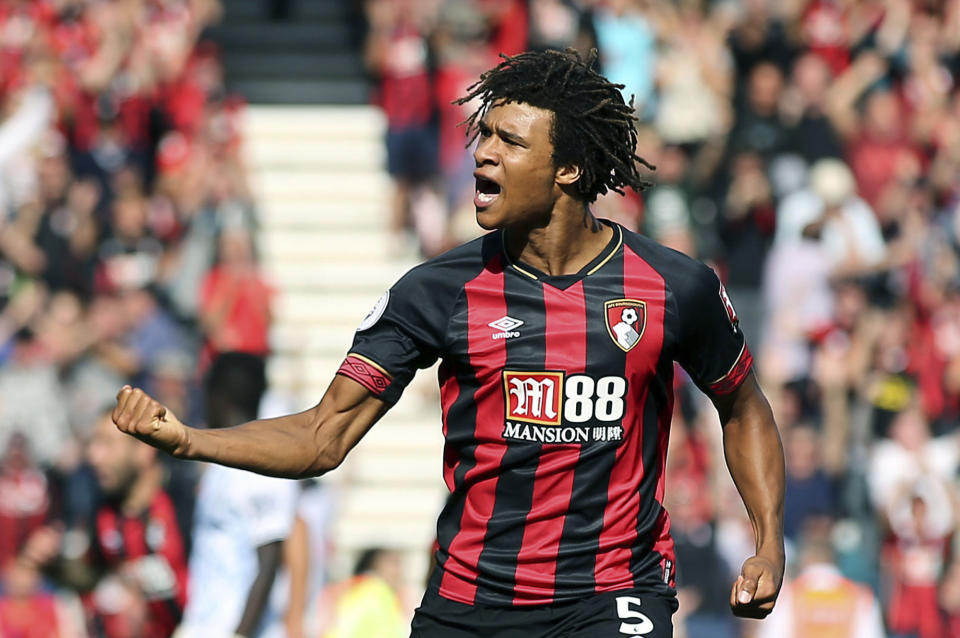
x,y
821,602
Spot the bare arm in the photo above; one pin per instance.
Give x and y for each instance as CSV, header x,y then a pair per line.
x,y
847,89
300,445
268,560
296,558
751,445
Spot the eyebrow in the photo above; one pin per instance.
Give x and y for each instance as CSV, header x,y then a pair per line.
x,y
502,132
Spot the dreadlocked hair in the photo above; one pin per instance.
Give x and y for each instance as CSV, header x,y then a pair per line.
x,y
593,127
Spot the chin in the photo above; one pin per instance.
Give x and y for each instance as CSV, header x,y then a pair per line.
x,y
488,220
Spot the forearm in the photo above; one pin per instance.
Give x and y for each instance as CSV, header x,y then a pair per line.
x,y
296,558
754,456
836,428
300,445
285,446
260,589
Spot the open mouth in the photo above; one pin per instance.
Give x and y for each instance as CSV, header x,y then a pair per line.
x,y
486,193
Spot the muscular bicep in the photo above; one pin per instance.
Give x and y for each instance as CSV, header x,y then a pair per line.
x,y
747,398
345,413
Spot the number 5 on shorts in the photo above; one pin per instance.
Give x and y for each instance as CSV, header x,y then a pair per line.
x,y
641,625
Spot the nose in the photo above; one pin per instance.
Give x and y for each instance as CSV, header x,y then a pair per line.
x,y
485,153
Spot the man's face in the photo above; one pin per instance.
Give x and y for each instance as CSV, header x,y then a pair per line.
x,y
113,457
516,177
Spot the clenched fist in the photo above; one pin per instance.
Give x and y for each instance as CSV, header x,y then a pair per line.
x,y
756,589
141,416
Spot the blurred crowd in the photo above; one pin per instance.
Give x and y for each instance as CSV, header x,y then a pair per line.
x,y
810,151
126,256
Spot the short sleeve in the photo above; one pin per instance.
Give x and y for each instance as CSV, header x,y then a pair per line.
x,y
712,348
273,506
403,332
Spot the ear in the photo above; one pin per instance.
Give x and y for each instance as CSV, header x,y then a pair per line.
x,y
567,174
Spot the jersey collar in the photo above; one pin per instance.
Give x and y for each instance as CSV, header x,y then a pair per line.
x,y
564,281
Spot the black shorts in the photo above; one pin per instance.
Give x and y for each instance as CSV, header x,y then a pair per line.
x,y
608,615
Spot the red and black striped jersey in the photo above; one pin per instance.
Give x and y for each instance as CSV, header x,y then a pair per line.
x,y
557,397
147,548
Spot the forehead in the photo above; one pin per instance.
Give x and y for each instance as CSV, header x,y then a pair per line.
x,y
519,117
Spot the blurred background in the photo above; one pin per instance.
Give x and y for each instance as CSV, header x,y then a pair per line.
x,y
190,185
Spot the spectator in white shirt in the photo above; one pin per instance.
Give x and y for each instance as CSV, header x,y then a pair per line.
x,y
241,520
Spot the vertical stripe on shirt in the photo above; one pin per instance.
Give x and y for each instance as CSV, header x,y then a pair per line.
x,y
566,349
485,304
515,488
576,555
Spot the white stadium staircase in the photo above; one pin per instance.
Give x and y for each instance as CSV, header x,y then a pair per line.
x,y
324,201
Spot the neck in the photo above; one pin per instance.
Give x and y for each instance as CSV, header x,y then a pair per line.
x,y
142,491
570,240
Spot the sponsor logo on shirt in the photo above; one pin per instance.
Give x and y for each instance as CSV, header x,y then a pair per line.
x,y
506,327
534,397
626,320
553,407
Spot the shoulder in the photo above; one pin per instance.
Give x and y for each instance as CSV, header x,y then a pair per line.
x,y
436,284
679,271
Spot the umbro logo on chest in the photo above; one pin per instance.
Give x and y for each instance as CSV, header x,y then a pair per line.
x,y
505,327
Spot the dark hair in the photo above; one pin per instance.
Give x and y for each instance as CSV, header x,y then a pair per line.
x,y
234,386
367,559
593,127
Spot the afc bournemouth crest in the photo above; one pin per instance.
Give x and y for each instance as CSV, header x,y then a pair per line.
x,y
626,319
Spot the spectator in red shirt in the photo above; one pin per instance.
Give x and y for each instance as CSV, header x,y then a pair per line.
x,y
876,144
398,52
235,298
24,498
27,610
142,590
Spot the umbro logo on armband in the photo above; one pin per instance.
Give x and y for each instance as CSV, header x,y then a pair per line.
x,y
506,327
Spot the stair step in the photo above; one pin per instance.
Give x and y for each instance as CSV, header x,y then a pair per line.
x,y
299,340
335,277
397,500
299,91
309,214
414,468
236,11
320,185
322,153
264,35
313,305
422,440
325,9
345,245
350,122
307,65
